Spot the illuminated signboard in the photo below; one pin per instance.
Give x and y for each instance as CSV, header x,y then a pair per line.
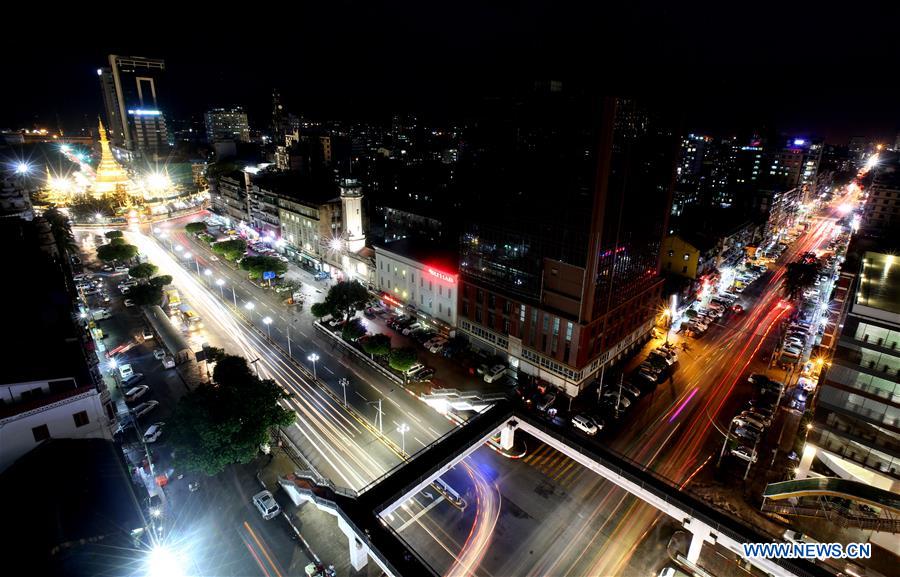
x,y
442,275
145,112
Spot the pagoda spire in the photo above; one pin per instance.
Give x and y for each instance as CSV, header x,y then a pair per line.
x,y
102,130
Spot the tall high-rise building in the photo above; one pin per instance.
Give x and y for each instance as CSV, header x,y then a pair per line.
x,y
131,97
559,259
881,215
227,124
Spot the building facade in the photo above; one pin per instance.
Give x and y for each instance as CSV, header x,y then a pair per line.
x,y
423,280
559,267
227,124
230,197
881,214
134,111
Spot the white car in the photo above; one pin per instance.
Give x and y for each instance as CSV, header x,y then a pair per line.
x,y
213,258
129,303
159,354
584,424
147,334
136,393
266,505
153,432
494,373
744,453
435,345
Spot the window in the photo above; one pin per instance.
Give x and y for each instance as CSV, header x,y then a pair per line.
x,y
41,433
440,291
490,321
522,314
671,253
506,327
687,256
546,323
477,314
684,269
569,327
81,419
556,326
492,301
440,307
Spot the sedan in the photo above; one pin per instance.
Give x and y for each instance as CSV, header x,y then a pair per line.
x,y
136,393
129,303
144,408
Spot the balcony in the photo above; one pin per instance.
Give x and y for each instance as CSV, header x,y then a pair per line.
x,y
855,449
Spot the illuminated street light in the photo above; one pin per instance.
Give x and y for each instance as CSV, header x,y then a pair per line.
x,y
313,358
403,429
268,322
23,168
163,562
98,216
221,283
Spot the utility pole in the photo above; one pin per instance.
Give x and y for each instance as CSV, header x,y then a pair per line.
x,y
724,443
289,344
752,458
344,382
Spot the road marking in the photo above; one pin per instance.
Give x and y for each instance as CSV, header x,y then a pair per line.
x,y
360,396
435,432
415,517
420,442
327,369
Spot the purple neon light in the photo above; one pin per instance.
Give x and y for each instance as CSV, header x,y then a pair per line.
x,y
683,404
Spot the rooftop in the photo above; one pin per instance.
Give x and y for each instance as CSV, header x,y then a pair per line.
x,y
879,285
424,251
74,507
298,186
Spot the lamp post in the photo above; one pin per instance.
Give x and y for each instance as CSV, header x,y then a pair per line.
x,y
253,362
249,306
268,322
402,429
344,382
313,358
233,296
207,273
221,284
188,256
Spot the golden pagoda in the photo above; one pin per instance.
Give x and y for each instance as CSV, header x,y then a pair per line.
x,y
109,175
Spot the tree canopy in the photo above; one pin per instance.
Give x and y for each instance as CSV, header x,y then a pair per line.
x,y
161,280
230,249
61,230
114,251
402,359
145,294
344,299
143,270
218,425
353,329
319,310
111,234
799,276
377,345
195,227
257,265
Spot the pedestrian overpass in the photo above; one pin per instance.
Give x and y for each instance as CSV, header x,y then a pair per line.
x,y
361,515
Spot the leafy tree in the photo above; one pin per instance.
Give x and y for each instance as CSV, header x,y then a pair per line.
x,y
377,345
257,265
402,359
111,234
146,294
118,241
345,298
116,252
61,230
353,329
218,425
320,310
84,210
230,249
143,270
214,354
195,227
690,313
161,280
799,276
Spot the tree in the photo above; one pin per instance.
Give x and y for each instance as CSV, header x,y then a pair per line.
x,y
161,280
61,230
402,359
377,345
690,313
84,210
143,270
113,251
214,354
257,265
218,425
799,276
195,227
111,234
345,298
145,294
353,330
230,249
117,240
320,310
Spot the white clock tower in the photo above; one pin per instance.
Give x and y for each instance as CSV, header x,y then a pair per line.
x,y
351,213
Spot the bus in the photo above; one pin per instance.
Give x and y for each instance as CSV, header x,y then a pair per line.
x,y
190,317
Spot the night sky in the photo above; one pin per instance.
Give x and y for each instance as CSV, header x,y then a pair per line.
x,y
803,69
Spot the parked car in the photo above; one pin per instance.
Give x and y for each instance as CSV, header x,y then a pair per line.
x,y
136,393
158,354
744,453
411,327
584,424
132,380
546,402
494,373
613,396
147,334
740,421
436,345
321,275
747,433
153,432
129,303
758,379
121,269
266,505
144,408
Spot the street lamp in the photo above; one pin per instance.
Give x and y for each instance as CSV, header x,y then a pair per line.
x,y
207,273
268,322
249,306
221,283
344,382
402,429
188,256
23,168
313,358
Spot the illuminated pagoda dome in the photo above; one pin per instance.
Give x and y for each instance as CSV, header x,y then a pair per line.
x,y
109,174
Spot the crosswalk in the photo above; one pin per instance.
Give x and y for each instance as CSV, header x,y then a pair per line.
x,y
555,465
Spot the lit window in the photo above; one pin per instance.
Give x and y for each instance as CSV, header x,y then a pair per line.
x,y
687,256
